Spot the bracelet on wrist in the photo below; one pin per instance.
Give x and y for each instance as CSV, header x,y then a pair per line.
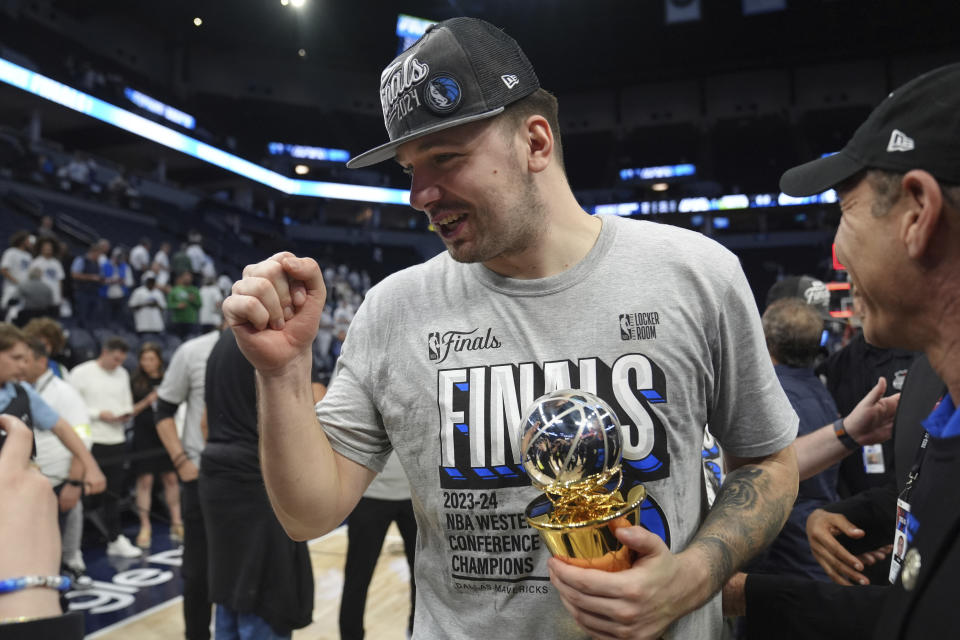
x,y
20,619
845,439
60,583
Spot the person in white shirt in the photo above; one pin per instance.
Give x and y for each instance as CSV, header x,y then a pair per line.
x,y
161,267
163,255
225,283
105,386
210,299
14,265
51,270
197,257
148,304
140,257
185,382
57,463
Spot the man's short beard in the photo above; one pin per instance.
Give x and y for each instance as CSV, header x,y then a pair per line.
x,y
526,228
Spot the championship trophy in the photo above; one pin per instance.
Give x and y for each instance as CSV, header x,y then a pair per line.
x,y
571,448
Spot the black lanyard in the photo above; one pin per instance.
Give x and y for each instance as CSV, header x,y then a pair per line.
x,y
918,461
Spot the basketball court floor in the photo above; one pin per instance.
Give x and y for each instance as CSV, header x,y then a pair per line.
x,y
142,598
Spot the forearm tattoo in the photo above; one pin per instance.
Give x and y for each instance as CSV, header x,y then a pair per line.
x,y
746,516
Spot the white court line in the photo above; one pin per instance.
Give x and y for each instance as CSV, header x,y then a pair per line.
x,y
134,618
341,530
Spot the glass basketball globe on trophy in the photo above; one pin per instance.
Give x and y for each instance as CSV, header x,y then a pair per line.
x,y
571,448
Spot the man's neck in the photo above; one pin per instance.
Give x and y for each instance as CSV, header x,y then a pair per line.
x,y
35,382
941,326
568,236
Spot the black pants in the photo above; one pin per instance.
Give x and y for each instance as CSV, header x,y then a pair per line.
x,y
110,459
196,597
366,529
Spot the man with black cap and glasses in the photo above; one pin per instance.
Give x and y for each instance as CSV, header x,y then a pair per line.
x,y
532,295
898,182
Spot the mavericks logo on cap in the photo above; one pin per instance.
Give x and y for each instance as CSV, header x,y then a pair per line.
x,y
442,94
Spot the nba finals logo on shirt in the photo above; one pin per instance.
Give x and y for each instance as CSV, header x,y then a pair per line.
x,y
398,95
639,326
480,407
439,345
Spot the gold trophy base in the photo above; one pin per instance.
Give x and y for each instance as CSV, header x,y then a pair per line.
x,y
590,544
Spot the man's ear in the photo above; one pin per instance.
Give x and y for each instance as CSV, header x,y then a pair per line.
x,y
539,143
924,208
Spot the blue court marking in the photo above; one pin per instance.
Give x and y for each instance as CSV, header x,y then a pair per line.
x,y
117,594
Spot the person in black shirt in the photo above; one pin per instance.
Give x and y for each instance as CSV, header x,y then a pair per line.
x,y
260,579
898,184
150,456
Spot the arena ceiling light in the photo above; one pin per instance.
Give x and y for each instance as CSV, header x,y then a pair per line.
x,y
197,21
301,169
297,4
49,89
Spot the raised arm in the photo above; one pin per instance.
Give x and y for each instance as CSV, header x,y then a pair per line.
x,y
275,311
870,422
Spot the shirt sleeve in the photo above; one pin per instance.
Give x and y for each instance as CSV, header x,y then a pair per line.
x,y
127,393
750,414
348,413
73,409
176,381
44,416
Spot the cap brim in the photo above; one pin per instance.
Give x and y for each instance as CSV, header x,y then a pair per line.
x,y
819,175
387,151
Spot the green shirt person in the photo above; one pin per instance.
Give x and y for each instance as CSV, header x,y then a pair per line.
x,y
183,303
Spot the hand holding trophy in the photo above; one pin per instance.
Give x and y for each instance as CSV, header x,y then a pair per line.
x,y
572,448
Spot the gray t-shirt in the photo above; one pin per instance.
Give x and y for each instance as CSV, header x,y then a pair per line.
x,y
443,358
184,382
390,484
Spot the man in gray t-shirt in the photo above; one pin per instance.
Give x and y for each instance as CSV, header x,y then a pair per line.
x,y
532,295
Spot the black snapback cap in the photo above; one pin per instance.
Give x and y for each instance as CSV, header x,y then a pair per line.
x,y
807,288
461,70
916,127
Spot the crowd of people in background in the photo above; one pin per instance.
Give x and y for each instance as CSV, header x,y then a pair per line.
x,y
143,293
147,320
